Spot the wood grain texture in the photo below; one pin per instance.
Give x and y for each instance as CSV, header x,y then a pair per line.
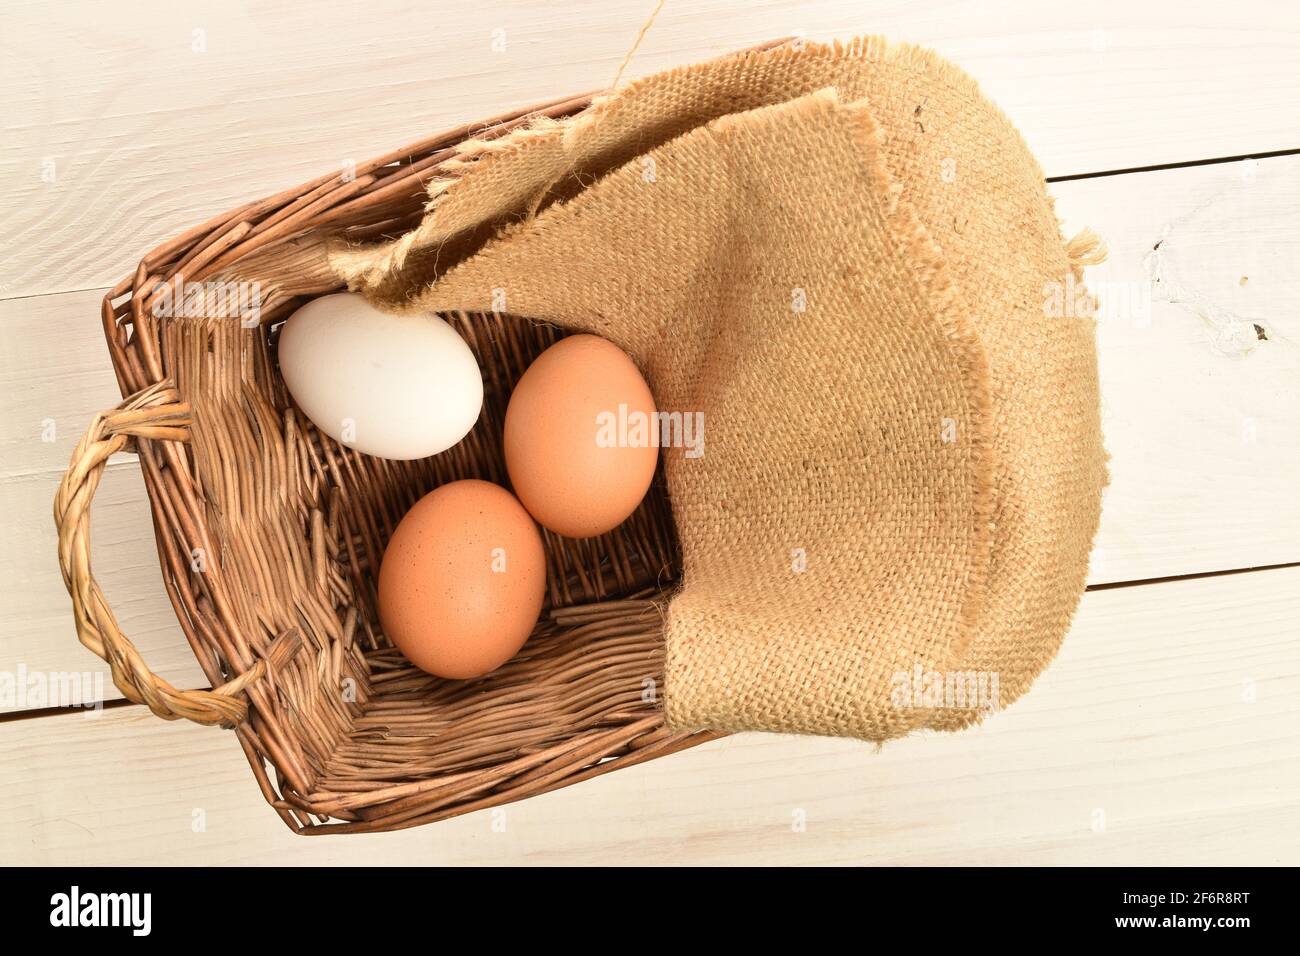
x,y
1172,709
1201,415
1199,350
1168,731
121,131
54,375
38,634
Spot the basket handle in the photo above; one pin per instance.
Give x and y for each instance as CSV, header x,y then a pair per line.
x,y
155,413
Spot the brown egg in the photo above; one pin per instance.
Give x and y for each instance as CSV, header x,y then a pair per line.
x,y
462,580
580,440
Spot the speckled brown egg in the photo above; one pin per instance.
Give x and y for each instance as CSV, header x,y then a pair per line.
x,y
580,437
462,580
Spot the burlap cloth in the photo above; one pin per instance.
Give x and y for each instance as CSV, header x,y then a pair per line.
x,y
841,256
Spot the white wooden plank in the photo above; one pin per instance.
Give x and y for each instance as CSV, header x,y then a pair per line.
x,y
37,636
1199,345
54,375
1167,732
123,129
1203,425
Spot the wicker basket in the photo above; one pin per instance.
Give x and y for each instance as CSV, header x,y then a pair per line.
x,y
270,536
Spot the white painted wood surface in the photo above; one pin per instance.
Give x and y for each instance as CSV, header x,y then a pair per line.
x,y
125,126
117,135
1166,732
1199,353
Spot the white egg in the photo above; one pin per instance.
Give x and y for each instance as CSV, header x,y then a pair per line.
x,y
394,386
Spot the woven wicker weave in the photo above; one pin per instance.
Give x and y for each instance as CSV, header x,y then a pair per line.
x,y
342,734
